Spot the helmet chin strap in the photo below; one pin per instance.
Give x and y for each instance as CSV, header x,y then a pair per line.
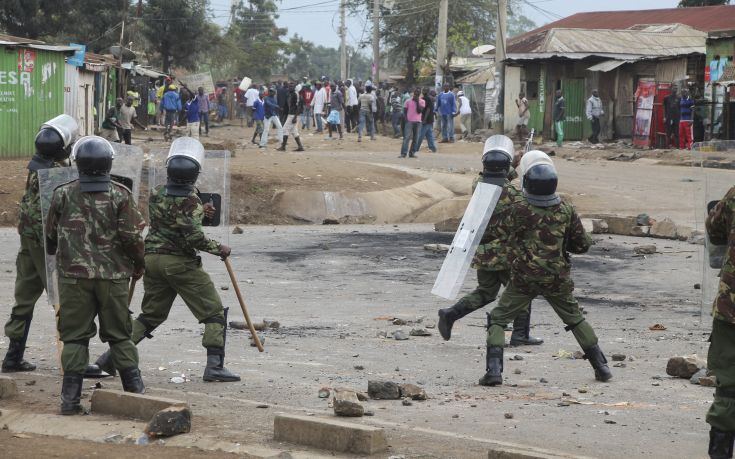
x,y
179,189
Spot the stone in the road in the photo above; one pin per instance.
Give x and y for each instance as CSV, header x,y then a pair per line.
x,y
701,378
324,392
8,388
618,357
508,415
400,335
685,366
419,332
645,249
237,230
599,226
384,390
665,229
413,392
346,404
170,421
407,402
330,221
640,231
238,325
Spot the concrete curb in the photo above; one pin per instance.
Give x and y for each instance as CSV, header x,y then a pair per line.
x,y
329,434
507,452
8,388
129,405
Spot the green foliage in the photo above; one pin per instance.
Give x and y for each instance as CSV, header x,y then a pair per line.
x,y
690,3
519,24
175,31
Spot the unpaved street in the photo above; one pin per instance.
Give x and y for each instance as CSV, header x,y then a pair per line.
x,y
333,289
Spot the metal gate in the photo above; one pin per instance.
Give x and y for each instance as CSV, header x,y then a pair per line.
x,y
573,92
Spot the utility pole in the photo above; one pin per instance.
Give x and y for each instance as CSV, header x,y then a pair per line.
x,y
376,42
441,46
500,38
343,42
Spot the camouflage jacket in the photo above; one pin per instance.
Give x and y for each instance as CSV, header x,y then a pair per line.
x,y
95,235
542,238
176,225
494,252
30,223
721,231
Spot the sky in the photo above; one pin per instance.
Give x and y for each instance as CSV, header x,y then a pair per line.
x,y
318,20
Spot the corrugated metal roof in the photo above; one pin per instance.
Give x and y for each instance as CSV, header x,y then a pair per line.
x,y
705,18
14,39
606,66
649,42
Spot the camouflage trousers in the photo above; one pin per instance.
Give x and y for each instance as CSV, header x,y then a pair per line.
x,y
514,300
30,282
167,276
81,300
721,361
488,286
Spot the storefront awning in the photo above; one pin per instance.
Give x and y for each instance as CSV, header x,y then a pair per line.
x,y
606,66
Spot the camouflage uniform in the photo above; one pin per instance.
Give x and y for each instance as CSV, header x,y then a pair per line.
x,y
30,264
173,268
98,244
541,238
492,257
721,357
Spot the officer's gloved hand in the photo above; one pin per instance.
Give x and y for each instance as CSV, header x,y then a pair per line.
x,y
224,251
209,210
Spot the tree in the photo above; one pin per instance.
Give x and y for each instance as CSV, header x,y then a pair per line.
x,y
35,19
175,31
519,24
257,39
304,59
690,3
95,23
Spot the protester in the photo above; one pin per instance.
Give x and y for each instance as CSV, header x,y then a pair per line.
x,y
306,95
446,106
203,104
291,127
412,113
594,111
152,105
319,103
396,106
192,118
258,116
272,116
170,105
523,115
427,121
465,115
282,97
352,112
110,126
251,95
559,117
336,103
222,105
127,117
365,105
672,112
686,107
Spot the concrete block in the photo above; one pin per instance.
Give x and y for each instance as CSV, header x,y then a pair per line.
x,y
641,231
8,388
129,405
620,225
664,229
329,434
449,225
508,452
599,226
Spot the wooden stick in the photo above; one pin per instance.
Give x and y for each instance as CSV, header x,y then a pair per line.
x,y
131,290
242,304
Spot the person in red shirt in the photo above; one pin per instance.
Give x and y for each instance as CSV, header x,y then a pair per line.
x,y
306,95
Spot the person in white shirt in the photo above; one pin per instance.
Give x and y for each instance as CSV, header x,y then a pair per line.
x,y
465,115
251,95
523,115
319,102
594,111
351,111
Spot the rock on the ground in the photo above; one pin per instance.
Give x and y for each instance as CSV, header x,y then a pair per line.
x,y
330,221
237,230
620,225
618,357
438,248
324,392
599,226
645,249
8,388
419,332
685,366
664,229
701,378
400,335
238,325
384,390
170,421
413,392
346,404
640,231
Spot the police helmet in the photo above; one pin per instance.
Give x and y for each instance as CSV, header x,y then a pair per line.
x,y
93,156
182,173
50,144
539,179
496,159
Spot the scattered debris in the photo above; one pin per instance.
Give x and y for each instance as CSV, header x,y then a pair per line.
x,y
324,392
400,335
657,327
399,321
578,355
697,286
618,357
516,357
170,421
562,354
508,415
685,367
438,248
419,332
237,230
238,325
702,378
225,287
517,371
645,249
407,402
384,390
624,157
412,391
179,379
330,221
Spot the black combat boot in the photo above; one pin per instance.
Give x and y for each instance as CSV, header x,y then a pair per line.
x,y
720,444
13,361
298,142
71,393
215,369
102,367
599,363
284,141
448,316
253,139
521,335
132,381
493,367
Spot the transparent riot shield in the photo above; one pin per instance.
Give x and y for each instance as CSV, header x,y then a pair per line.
x,y
466,239
126,169
711,160
213,186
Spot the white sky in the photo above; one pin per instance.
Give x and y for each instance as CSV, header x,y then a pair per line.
x,y
319,23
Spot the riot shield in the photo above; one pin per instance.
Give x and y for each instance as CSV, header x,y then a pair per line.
x,y
466,239
126,168
213,184
709,160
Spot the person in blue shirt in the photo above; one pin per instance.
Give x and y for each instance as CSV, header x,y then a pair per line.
x,y
170,105
446,106
272,111
686,107
258,116
192,118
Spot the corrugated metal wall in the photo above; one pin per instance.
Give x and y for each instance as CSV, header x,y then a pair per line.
x,y
574,96
31,92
